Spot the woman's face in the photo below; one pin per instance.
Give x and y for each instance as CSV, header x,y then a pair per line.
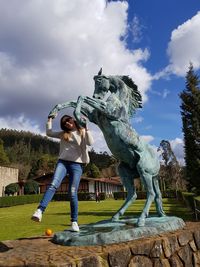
x,y
70,124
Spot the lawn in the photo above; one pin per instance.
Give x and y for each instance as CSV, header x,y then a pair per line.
x,y
15,221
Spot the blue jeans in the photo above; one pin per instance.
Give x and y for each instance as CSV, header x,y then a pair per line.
x,y
63,168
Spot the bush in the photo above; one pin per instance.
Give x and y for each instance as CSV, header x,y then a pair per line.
x,y
188,199
119,195
31,187
19,200
169,194
102,196
11,189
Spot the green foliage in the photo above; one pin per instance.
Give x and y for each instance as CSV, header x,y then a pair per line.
x,y
31,187
34,142
19,200
91,170
101,160
171,174
4,160
11,189
44,164
190,110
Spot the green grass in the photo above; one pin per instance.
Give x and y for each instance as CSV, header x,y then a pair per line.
x,y
15,221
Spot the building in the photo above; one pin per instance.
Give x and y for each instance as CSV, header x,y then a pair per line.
x,y
102,185
7,176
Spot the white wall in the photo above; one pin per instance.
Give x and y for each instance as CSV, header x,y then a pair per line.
x,y
7,176
91,187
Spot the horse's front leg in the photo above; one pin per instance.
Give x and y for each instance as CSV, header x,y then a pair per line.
x,y
96,103
78,111
54,112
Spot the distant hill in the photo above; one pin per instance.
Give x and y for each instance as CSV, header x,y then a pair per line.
x,y
35,142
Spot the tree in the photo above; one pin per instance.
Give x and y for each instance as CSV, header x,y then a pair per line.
x,y
11,189
190,112
31,187
170,171
92,170
44,164
4,160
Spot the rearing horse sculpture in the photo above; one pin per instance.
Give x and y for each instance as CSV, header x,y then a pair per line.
x,y
137,158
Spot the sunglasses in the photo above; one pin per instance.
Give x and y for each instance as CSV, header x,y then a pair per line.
x,y
68,120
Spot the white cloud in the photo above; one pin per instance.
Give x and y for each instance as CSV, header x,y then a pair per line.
x,y
135,29
19,123
184,46
50,51
147,138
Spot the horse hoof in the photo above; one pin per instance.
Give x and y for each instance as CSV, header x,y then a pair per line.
x,y
141,222
162,214
115,218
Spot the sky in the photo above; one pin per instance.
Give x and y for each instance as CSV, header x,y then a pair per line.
x,y
51,49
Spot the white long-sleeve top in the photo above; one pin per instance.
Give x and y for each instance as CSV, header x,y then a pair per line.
x,y
76,149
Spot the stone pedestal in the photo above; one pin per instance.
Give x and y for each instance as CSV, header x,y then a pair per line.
x,y
180,248
108,232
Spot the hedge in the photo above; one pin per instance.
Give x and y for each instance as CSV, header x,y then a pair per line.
x,y
188,199
9,201
142,194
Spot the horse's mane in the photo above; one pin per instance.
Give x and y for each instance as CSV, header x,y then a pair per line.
x,y
135,98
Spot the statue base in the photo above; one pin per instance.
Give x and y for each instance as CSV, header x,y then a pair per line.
x,y
109,232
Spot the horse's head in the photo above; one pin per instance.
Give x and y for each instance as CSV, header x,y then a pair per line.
x,y
102,85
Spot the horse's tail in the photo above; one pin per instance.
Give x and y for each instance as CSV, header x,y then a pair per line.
x,y
158,195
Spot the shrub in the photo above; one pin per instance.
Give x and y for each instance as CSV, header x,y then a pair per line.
x,y
31,187
188,199
11,189
19,200
119,195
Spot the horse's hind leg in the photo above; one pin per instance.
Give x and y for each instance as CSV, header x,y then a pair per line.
x,y
148,183
126,175
158,197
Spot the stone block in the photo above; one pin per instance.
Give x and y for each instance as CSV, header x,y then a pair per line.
x,y
161,263
175,261
184,238
157,250
92,261
197,238
174,245
196,257
140,261
193,246
167,247
185,253
119,258
143,248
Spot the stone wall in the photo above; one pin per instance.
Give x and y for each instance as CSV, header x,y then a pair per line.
x,y
7,176
173,249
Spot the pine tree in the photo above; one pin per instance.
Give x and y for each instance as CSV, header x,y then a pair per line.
x,y
190,111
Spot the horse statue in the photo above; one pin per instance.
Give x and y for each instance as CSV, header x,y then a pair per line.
x,y
114,101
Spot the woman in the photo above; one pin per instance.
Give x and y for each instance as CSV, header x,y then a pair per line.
x,y
73,154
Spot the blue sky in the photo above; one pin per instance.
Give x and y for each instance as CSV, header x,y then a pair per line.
x,y
50,51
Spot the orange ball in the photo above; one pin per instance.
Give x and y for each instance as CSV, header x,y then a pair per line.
x,y
48,232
